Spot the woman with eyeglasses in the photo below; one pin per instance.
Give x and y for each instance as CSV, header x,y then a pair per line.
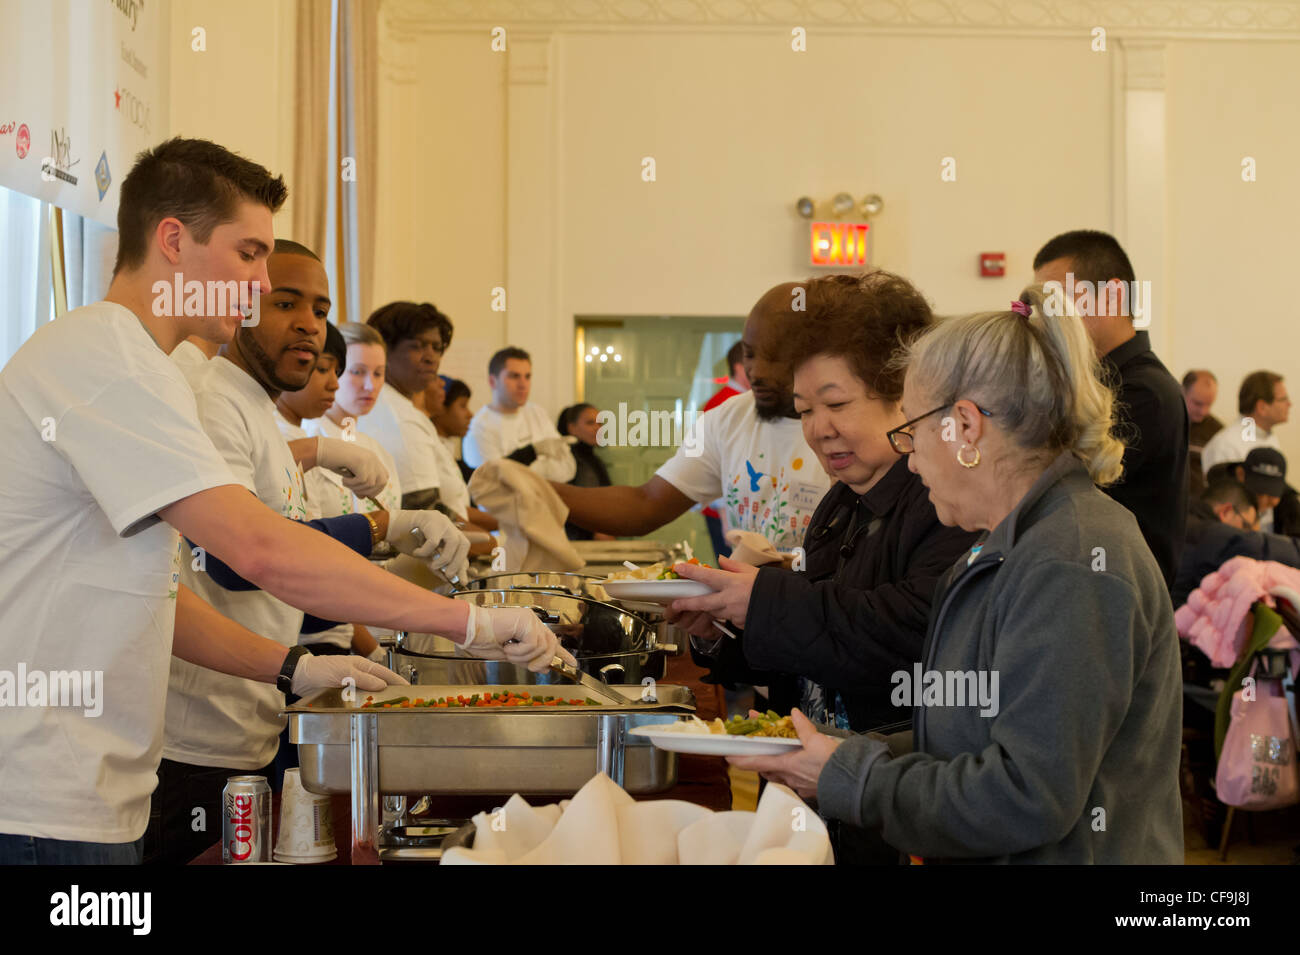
x,y
1047,706
854,612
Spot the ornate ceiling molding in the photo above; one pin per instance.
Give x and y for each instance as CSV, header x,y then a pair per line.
x,y
1136,19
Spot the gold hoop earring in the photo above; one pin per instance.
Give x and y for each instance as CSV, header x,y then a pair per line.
x,y
962,461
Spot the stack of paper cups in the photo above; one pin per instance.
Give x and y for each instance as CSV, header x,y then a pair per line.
x,y
306,825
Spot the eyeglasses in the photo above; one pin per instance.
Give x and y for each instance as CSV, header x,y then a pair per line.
x,y
900,439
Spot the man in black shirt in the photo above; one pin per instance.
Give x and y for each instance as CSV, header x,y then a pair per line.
x,y
1152,414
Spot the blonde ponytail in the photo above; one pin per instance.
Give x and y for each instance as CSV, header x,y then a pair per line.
x,y
1038,374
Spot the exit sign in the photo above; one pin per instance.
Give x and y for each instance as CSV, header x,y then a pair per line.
x,y
839,243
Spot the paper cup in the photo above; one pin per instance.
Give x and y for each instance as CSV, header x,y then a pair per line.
x,y
306,824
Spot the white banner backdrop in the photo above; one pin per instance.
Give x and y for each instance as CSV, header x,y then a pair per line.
x,y
83,87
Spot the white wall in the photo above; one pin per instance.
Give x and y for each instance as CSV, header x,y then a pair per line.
x,y
239,91
523,169
1232,244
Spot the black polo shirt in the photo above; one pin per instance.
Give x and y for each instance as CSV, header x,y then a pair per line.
x,y
1153,425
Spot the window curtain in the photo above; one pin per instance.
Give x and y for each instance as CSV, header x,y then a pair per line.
x,y
311,173
335,156
358,76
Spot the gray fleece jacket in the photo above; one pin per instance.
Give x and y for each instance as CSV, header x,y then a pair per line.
x,y
1065,604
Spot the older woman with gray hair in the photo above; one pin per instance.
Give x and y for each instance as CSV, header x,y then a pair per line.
x,y
1047,709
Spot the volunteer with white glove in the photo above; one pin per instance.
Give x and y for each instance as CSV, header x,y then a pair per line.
x,y
362,472
445,549
322,672
512,633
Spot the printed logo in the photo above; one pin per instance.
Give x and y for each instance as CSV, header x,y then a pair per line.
x,y
134,109
59,161
133,61
129,9
102,176
23,142
129,909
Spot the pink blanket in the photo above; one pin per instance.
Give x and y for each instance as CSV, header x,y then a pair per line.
x,y
1217,614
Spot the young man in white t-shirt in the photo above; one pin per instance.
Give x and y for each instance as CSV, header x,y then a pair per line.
x,y
218,726
749,451
1264,404
106,461
510,427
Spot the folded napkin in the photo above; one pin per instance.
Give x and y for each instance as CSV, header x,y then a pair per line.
x,y
603,825
750,548
530,513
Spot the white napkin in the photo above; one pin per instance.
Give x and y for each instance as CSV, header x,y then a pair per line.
x,y
751,548
603,825
530,513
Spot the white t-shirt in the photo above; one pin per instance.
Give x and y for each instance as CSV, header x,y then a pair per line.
x,y
189,357
327,497
100,432
214,719
769,480
341,500
1228,445
410,437
495,435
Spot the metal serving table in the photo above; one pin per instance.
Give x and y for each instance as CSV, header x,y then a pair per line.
x,y
418,750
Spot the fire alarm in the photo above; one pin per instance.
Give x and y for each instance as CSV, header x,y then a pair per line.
x,y
993,264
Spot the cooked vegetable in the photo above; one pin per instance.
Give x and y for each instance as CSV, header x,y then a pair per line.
x,y
769,724
480,701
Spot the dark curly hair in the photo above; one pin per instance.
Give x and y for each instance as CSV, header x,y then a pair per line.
x,y
398,321
866,319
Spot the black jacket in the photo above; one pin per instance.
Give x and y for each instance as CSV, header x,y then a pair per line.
x,y
849,623
1212,543
1153,424
591,473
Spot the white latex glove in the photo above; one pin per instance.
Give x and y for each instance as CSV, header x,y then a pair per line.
x,y
362,472
329,670
514,634
378,655
551,447
445,549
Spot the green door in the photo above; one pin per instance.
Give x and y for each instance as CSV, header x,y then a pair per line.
x,y
664,368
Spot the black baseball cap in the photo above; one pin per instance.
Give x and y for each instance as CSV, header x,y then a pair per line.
x,y
1266,472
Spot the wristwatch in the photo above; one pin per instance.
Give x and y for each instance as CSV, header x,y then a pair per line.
x,y
375,536
284,680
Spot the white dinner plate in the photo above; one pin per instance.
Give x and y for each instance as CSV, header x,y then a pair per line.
x,y
662,592
712,744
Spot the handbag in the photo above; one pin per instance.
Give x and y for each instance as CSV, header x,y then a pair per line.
x,y
1258,758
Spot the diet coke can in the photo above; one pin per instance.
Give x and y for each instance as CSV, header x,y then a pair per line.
x,y
246,820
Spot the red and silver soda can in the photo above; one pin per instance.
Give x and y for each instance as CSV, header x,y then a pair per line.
x,y
246,820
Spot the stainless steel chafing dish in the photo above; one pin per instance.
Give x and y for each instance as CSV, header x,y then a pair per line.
x,y
667,637
564,582
537,751
610,643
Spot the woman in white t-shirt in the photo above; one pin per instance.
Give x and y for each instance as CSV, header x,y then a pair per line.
x,y
301,414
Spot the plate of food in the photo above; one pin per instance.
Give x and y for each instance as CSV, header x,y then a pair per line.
x,y
766,735
655,584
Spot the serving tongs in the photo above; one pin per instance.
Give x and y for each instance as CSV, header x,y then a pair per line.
x,y
588,683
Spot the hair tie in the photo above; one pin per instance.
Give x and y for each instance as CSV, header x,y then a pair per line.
x,y
1022,308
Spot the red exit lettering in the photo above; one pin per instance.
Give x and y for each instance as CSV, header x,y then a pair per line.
x,y
839,243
